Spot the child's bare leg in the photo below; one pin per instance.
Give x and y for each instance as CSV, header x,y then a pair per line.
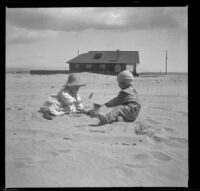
x,y
56,113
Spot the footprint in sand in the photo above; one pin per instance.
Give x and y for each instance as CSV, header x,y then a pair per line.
x,y
141,129
176,142
143,156
160,156
158,138
125,171
168,129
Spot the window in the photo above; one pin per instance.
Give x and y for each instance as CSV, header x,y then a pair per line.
x,y
97,56
88,66
102,66
77,65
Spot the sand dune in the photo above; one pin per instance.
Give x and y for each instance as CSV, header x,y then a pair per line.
x,y
73,151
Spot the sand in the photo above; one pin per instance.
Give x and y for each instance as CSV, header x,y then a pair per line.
x,y
73,151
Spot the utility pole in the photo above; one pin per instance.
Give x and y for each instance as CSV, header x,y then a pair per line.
x,y
78,52
166,64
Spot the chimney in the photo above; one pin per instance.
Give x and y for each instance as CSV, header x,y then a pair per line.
x,y
117,54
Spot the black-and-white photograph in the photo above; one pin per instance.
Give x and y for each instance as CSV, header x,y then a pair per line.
x,y
96,97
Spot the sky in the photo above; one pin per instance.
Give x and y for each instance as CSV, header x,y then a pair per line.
x,y
45,38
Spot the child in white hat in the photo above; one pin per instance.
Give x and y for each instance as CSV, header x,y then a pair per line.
x,y
126,104
65,101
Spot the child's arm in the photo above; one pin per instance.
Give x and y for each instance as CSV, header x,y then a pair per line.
x,y
66,98
79,105
115,101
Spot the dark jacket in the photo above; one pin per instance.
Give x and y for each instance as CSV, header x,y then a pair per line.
x,y
125,97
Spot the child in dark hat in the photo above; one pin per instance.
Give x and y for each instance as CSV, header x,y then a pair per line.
x,y
126,104
65,101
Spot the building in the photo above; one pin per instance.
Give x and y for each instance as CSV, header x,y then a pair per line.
x,y
107,62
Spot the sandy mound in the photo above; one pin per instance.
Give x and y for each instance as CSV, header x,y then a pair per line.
x,y
74,151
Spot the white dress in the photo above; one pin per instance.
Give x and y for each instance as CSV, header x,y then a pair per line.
x,y
62,102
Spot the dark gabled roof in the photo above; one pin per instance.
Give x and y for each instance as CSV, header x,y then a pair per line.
x,y
126,57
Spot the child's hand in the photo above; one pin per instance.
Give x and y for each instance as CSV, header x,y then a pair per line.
x,y
81,111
